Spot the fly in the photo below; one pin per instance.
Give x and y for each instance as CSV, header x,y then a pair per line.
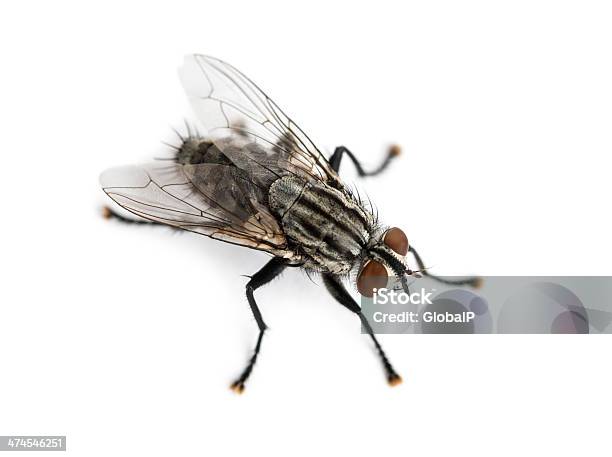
x,y
257,180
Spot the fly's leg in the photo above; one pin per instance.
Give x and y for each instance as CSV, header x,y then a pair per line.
x,y
108,213
339,292
336,158
269,271
474,281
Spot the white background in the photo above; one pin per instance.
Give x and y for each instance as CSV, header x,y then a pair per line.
x,y
126,339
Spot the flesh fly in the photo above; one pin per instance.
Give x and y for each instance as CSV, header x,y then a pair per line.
x,y
257,180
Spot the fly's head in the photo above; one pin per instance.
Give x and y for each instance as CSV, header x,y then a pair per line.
x,y
385,255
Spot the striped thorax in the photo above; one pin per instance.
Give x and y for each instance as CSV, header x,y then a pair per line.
x,y
328,227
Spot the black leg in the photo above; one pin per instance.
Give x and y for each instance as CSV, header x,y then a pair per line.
x,y
108,213
339,292
269,271
474,281
336,158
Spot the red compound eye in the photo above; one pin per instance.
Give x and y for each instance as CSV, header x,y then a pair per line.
x,y
397,240
372,276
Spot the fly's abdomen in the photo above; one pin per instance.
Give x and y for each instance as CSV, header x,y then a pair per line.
x,y
322,222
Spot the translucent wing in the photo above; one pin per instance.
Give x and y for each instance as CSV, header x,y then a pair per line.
x,y
229,104
218,200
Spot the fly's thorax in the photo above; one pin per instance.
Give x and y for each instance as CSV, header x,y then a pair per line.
x,y
324,223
